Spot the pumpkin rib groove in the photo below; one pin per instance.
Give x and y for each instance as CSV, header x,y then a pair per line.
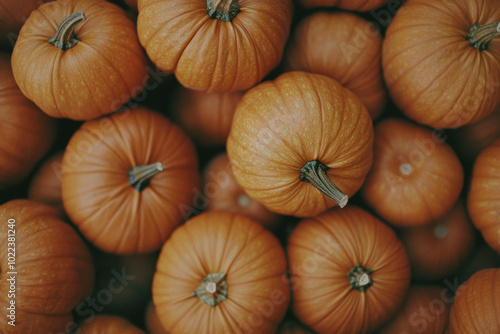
x,y
253,48
246,243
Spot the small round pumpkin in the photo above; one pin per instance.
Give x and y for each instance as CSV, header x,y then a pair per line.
x,y
79,59
349,271
483,201
215,46
52,268
300,144
153,323
108,324
356,5
125,179
475,309
226,271
441,61
345,47
416,177
45,186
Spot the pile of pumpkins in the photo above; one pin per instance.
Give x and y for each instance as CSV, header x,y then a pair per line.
x,y
250,166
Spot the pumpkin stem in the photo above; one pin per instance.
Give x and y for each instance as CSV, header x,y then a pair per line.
x,y
223,10
314,172
65,36
360,278
440,231
139,176
481,35
213,289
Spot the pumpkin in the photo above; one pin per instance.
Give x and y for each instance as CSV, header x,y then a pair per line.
x,y
45,186
441,61
416,177
108,324
349,272
129,172
437,250
425,311
300,144
224,193
226,271
50,273
475,309
153,323
345,47
206,117
27,133
483,201
357,5
293,327
215,46
79,59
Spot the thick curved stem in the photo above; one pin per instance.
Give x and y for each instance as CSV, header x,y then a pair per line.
x,y
480,36
139,176
360,278
65,36
213,289
223,10
314,172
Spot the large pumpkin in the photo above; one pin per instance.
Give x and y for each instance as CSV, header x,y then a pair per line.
x,y
152,320
215,46
476,306
441,60
357,5
416,177
221,273
79,59
108,324
300,144
344,47
125,179
349,272
483,201
45,185
45,268
27,133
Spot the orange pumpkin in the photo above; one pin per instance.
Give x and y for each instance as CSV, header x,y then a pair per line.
x,y
441,59
129,172
357,5
344,47
416,177
108,324
225,271
349,272
153,323
79,59
45,186
215,46
298,163
483,201
51,270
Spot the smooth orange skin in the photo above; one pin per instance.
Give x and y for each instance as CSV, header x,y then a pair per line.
x,y
153,323
323,249
424,311
45,186
356,5
255,266
211,55
96,192
429,191
27,133
476,309
108,324
483,201
432,72
280,125
344,47
95,77
54,268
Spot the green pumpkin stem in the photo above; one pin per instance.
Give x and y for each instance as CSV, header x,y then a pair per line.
x,y
139,176
213,289
360,278
65,36
315,173
480,36
223,10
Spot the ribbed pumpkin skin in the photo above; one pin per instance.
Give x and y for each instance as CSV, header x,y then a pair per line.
x,y
344,47
252,259
107,324
209,54
96,191
423,312
96,76
428,190
54,268
45,186
476,307
27,133
432,72
357,5
153,323
321,252
483,201
280,125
